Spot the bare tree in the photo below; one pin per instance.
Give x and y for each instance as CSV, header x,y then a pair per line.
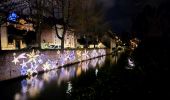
x,y
61,11
88,20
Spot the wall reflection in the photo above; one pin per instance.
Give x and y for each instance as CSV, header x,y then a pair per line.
x,y
32,86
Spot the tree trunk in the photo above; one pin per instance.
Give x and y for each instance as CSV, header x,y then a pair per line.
x,y
0,38
63,36
38,37
39,23
62,44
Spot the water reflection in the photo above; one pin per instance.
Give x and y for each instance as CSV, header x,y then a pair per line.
x,y
69,88
94,62
32,86
96,71
131,63
84,65
115,57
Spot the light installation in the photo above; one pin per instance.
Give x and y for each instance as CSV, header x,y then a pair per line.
x,y
12,17
94,54
33,85
35,61
85,55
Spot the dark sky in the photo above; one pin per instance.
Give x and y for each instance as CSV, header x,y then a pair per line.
x,y
121,12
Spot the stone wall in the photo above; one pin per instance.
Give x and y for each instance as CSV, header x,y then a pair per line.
x,y
14,64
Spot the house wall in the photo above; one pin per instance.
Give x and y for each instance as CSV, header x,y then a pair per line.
x,y
53,42
4,36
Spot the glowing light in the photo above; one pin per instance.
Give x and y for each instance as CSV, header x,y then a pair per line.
x,y
85,65
23,71
16,59
46,66
23,63
34,67
33,85
72,56
58,52
69,89
52,64
102,52
12,17
17,96
61,60
79,57
46,77
22,21
42,61
101,61
94,54
53,75
66,56
96,72
130,62
24,86
85,55
78,72
41,58
64,75
32,56
72,71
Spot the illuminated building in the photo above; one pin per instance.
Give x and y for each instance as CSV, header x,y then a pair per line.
x,y
13,35
49,39
70,39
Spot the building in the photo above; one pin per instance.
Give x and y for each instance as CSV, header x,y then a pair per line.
x,y
50,40
13,35
70,39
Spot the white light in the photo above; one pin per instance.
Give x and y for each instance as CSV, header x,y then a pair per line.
x,y
69,89
130,62
96,72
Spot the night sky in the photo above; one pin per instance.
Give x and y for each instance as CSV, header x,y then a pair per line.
x,y
121,13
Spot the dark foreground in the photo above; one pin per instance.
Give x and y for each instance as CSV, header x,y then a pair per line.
x,y
148,77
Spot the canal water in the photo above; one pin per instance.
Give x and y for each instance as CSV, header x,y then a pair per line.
x,y
56,84
115,76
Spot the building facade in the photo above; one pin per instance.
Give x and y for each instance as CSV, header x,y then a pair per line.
x,y
50,40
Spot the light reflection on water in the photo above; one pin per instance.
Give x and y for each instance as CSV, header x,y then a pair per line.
x,y
32,86
131,63
114,58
